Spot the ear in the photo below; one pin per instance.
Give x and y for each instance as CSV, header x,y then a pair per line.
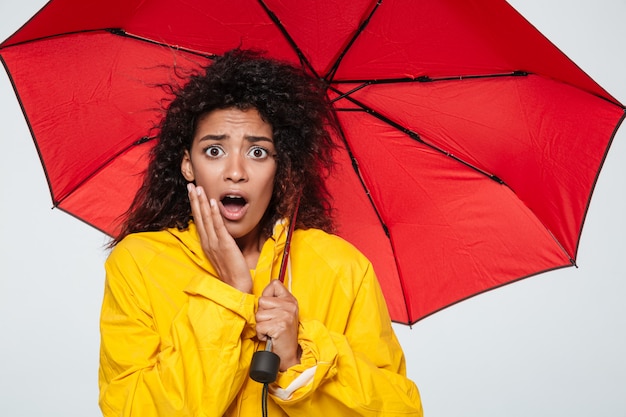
x,y
186,167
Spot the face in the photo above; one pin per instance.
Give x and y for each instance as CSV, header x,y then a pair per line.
x,y
234,159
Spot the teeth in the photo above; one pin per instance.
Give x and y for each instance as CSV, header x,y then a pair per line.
x,y
233,199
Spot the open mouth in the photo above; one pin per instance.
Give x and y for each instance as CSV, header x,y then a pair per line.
x,y
233,202
233,207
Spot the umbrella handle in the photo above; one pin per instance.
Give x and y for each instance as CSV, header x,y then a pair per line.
x,y
265,363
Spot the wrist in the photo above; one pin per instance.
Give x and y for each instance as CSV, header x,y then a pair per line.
x,y
294,360
242,284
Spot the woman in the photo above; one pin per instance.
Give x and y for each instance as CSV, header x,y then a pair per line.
x,y
191,290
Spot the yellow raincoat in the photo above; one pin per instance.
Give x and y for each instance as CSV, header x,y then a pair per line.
x,y
177,341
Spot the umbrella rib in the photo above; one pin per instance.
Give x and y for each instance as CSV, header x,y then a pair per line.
x,y
410,133
413,135
123,33
41,38
428,79
357,171
303,60
333,70
117,32
348,93
59,201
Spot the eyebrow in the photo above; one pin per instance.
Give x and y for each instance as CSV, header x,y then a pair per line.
x,y
250,138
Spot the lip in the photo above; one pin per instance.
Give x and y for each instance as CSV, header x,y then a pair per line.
x,y
233,214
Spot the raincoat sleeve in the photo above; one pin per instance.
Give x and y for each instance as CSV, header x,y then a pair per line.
x,y
197,369
358,372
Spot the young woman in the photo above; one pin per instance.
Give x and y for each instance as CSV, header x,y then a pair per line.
x,y
191,290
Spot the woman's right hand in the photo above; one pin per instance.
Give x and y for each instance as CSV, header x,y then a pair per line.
x,y
218,245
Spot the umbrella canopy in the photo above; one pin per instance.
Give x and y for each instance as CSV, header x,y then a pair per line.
x,y
470,144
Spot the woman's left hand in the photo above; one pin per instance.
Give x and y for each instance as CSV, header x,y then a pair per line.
x,y
277,318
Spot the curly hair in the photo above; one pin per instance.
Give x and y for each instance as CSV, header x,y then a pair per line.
x,y
291,101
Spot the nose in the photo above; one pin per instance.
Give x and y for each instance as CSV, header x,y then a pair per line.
x,y
235,169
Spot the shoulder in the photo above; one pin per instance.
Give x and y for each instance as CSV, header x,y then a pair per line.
x,y
331,249
139,247
328,264
322,240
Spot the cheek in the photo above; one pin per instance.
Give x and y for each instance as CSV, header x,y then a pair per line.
x,y
269,180
206,176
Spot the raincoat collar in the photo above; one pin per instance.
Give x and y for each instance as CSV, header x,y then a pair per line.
x,y
268,265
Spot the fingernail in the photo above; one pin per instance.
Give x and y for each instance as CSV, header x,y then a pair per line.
x,y
212,202
189,186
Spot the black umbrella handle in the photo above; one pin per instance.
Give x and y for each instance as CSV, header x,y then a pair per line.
x,y
265,365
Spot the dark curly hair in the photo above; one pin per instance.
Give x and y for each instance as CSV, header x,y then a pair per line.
x,y
291,101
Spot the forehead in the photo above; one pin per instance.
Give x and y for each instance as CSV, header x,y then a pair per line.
x,y
233,119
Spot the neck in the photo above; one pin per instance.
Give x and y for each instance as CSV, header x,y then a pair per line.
x,y
250,246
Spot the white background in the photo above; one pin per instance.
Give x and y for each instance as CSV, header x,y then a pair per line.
x,y
551,345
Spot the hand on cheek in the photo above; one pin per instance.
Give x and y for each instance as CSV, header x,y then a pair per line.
x,y
218,245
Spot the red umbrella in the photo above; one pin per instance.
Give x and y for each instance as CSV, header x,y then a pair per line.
x,y
471,144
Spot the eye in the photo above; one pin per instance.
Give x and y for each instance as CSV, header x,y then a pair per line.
x,y
214,151
258,152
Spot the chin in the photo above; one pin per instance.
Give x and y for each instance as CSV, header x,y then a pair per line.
x,y
239,232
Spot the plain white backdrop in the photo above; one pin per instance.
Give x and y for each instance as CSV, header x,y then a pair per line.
x,y
551,345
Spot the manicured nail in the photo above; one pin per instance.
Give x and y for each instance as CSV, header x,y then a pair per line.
x,y
189,186
212,202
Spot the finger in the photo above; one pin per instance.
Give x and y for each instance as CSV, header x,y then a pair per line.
x,y
276,289
271,303
284,334
277,328
201,216
195,206
274,308
270,309
274,322
276,297
217,221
